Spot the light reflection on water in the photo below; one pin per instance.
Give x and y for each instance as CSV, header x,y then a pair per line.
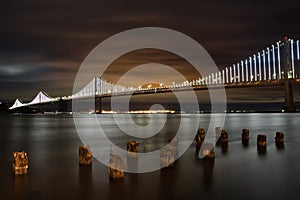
x,y
237,172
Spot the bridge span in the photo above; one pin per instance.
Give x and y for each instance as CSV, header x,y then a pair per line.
x,y
278,64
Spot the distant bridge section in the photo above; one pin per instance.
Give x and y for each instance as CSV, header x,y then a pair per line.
x,y
41,97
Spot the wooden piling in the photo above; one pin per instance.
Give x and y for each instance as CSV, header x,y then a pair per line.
x,y
261,140
261,144
224,136
221,135
279,138
199,138
85,155
20,163
169,153
208,151
173,142
115,167
245,134
245,137
132,149
167,157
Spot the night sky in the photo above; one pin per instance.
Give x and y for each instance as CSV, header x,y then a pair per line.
x,y
42,44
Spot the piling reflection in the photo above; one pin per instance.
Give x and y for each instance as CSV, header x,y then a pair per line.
x,y
35,195
207,165
133,191
85,181
168,179
208,168
262,150
116,189
245,143
279,140
21,187
132,162
279,146
224,147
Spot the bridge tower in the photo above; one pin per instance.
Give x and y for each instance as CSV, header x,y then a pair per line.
x,y
98,108
98,100
288,78
62,105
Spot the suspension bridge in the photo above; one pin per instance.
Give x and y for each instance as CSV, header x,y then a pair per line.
x,y
278,64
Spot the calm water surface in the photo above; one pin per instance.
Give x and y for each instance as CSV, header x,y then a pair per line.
x,y
238,172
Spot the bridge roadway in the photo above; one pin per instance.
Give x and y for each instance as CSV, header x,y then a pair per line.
x,y
268,83
62,102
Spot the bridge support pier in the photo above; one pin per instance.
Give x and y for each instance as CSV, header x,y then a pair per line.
x,y
98,108
62,106
289,97
288,78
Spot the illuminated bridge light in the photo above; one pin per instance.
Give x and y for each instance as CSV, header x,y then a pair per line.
x,y
238,69
292,58
259,66
264,64
298,53
230,72
227,76
251,71
246,66
274,63
255,70
278,57
214,78
243,75
269,64
234,74
223,76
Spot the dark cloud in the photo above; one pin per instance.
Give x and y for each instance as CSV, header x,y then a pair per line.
x,y
42,44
